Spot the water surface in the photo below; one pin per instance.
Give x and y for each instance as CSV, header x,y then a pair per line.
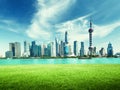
x,y
60,61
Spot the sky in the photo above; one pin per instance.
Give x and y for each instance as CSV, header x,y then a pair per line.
x,y
43,20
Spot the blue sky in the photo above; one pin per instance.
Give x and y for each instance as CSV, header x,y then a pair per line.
x,y
43,20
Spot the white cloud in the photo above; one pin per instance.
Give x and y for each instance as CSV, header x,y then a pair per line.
x,y
78,29
13,30
44,24
48,13
105,30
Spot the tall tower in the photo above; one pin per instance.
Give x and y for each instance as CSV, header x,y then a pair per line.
x,y
90,38
51,49
62,44
110,50
75,48
66,37
66,46
82,51
12,48
15,48
57,47
26,49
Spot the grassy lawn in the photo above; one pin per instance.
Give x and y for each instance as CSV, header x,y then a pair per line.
x,y
60,77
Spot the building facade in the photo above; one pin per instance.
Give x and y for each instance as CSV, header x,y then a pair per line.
x,y
26,49
102,52
82,50
57,47
35,50
66,37
109,50
15,48
75,48
9,54
62,44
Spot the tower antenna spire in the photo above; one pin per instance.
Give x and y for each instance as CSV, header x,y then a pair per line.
x,y
90,22
90,37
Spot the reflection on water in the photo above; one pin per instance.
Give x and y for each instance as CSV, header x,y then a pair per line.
x,y
60,61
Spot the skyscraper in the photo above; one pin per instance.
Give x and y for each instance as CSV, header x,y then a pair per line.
x,y
75,48
90,39
109,50
53,49
66,37
82,51
62,48
57,47
66,50
70,50
15,48
31,48
49,50
102,52
39,51
12,48
26,49
94,51
46,51
43,49
34,50
66,46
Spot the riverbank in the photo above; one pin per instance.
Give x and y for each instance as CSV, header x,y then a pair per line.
x,y
60,77
56,57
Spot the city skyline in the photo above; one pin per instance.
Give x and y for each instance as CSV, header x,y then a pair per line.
x,y
43,20
58,48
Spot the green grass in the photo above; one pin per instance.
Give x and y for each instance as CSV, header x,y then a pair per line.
x,y
60,77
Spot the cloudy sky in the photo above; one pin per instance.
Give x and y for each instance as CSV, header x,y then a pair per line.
x,y
43,20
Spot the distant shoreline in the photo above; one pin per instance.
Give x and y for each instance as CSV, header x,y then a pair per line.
x,y
56,57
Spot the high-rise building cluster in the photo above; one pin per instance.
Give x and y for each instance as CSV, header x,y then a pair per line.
x,y
52,49
65,49
57,48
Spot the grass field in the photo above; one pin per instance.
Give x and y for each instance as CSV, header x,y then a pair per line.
x,y
60,77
